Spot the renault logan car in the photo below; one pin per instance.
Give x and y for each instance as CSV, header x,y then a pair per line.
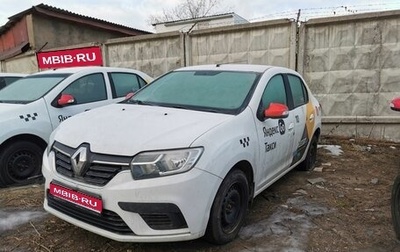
x,y
185,156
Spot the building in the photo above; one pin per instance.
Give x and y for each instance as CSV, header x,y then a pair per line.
x,y
46,27
200,23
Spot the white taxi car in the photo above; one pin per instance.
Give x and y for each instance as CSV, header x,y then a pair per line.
x,y
185,156
33,106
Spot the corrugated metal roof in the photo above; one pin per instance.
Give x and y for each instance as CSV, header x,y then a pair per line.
x,y
51,11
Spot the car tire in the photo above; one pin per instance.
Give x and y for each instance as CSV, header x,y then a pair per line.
x,y
311,158
229,208
18,162
395,204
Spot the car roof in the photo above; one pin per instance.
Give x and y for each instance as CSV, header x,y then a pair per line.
x,y
229,67
73,70
12,75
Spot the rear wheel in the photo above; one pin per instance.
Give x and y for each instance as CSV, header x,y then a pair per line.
x,y
18,162
395,202
229,208
309,163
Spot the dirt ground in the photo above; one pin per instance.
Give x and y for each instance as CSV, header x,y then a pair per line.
x,y
343,205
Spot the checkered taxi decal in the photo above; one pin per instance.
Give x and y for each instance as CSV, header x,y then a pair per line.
x,y
28,117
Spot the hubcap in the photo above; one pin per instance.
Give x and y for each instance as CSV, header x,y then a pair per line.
x,y
21,165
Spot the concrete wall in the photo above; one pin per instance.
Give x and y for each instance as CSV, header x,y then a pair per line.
x,y
352,64
58,33
269,43
21,64
153,54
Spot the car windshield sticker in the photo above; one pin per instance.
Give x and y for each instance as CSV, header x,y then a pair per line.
x,y
245,142
28,117
282,127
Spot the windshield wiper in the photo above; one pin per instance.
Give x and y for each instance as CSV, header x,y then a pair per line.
x,y
210,110
140,102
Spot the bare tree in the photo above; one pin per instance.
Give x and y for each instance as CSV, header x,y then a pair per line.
x,y
187,9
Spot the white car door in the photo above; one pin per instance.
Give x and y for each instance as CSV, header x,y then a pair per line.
x,y
88,92
276,135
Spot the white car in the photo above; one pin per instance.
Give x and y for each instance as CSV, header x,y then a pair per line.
x,y
33,106
8,78
185,156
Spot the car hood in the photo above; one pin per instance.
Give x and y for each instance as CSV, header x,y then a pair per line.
x,y
126,129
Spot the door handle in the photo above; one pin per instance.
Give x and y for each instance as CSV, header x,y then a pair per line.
x,y
311,118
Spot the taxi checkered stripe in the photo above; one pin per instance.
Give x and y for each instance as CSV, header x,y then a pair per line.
x,y
28,117
245,142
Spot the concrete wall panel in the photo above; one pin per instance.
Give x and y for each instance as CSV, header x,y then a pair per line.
x,y
21,64
351,63
154,55
269,43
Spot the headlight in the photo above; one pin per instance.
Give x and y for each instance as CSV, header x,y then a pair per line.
x,y
163,163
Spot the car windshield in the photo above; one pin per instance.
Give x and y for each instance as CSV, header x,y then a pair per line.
x,y
30,88
216,91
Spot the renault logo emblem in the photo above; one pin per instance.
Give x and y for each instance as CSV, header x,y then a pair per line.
x,y
79,160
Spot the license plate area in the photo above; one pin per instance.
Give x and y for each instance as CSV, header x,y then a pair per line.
x,y
81,199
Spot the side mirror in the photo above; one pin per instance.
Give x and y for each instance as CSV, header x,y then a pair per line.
x,y
395,104
65,100
276,111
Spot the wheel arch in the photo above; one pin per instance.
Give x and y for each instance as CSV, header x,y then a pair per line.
x,y
25,137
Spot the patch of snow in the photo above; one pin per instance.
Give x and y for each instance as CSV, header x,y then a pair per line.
x,y
11,219
336,150
285,230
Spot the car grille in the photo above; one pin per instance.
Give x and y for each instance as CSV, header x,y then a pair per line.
x,y
99,170
107,220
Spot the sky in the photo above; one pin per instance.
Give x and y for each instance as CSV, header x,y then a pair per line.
x,y
135,13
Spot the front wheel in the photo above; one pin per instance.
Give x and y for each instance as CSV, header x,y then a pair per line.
x,y
18,162
229,208
395,202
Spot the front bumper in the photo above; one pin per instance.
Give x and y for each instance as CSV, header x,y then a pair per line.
x,y
172,208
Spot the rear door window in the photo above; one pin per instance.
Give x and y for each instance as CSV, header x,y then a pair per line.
x,y
125,83
298,89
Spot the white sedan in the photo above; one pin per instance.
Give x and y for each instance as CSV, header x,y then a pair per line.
x,y
185,156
